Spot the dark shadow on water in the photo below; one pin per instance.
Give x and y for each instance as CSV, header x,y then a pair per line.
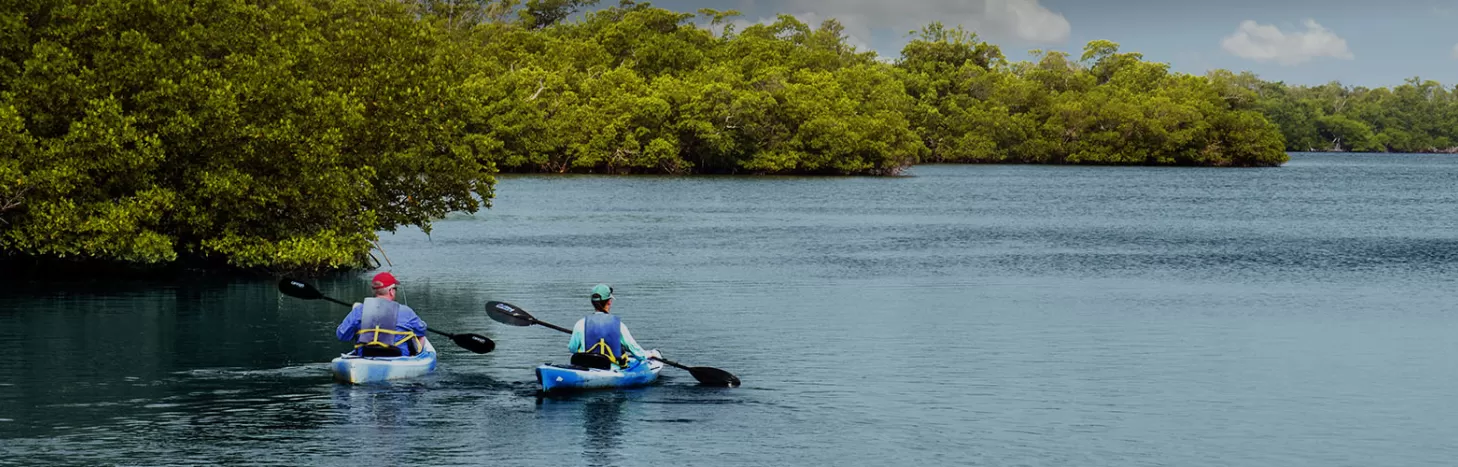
x,y
602,421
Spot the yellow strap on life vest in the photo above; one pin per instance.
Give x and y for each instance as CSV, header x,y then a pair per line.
x,y
602,347
376,340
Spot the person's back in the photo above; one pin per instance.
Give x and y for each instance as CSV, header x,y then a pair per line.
x,y
604,334
382,327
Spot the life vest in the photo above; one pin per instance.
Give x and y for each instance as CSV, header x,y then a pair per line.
x,y
378,327
602,333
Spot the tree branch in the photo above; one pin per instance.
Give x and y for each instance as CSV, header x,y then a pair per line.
x,y
382,253
541,86
14,201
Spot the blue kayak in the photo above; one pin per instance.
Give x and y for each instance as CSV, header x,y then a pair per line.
x,y
559,377
355,369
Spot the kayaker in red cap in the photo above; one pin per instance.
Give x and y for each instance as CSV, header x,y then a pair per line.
x,y
381,327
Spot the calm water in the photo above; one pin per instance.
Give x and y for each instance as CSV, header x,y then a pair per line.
x,y
982,315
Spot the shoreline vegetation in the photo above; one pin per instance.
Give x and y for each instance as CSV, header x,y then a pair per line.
x,y
281,136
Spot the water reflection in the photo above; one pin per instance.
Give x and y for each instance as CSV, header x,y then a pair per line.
x,y
602,420
602,415
383,407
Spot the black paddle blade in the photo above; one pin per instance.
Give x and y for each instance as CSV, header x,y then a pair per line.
x,y
592,360
506,313
474,342
713,376
299,289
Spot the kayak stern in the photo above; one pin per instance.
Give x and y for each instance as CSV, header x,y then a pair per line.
x,y
364,370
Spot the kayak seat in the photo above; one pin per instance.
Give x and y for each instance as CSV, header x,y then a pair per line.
x,y
372,351
592,361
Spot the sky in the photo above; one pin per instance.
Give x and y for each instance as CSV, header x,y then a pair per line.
x,y
1354,42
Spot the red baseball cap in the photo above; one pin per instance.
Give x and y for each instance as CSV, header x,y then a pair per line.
x,y
383,280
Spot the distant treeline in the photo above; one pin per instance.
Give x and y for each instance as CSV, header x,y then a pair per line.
x,y
640,89
1417,116
284,134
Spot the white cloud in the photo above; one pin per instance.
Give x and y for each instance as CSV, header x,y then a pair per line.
x,y
991,19
1455,50
1261,42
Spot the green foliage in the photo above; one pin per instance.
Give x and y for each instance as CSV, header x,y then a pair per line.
x,y
543,13
285,134
635,89
1106,108
278,135
940,50
1416,116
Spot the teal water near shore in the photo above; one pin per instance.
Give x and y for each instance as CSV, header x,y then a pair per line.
x,y
969,315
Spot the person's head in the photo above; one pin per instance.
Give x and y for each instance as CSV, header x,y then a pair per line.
x,y
385,285
602,297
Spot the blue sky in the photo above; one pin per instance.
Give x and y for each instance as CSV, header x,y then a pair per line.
x,y
1361,43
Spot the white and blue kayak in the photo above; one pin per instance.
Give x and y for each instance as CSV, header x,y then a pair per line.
x,y
559,378
355,369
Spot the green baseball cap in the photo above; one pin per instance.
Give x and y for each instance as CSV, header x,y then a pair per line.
x,y
602,293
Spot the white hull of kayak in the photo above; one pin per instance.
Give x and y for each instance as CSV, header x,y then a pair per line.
x,y
363,370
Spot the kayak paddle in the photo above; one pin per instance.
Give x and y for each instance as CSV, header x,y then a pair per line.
x,y
472,342
506,313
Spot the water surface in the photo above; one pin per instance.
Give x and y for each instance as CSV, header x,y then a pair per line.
x,y
970,315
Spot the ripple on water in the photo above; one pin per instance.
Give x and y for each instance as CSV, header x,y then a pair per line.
x,y
991,315
231,373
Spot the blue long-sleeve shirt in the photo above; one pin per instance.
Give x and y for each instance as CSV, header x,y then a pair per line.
x,y
405,320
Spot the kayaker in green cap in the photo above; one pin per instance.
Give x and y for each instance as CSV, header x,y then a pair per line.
x,y
605,334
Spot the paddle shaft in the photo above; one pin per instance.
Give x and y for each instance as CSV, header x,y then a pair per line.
x,y
549,325
673,363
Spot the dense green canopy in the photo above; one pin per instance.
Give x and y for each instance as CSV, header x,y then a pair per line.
x,y
284,134
259,134
1416,116
639,89
1106,107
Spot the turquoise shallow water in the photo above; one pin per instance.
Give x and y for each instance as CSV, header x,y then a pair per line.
x,y
970,315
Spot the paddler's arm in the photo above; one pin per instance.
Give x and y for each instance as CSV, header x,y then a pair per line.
x,y
415,325
350,326
575,345
629,343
